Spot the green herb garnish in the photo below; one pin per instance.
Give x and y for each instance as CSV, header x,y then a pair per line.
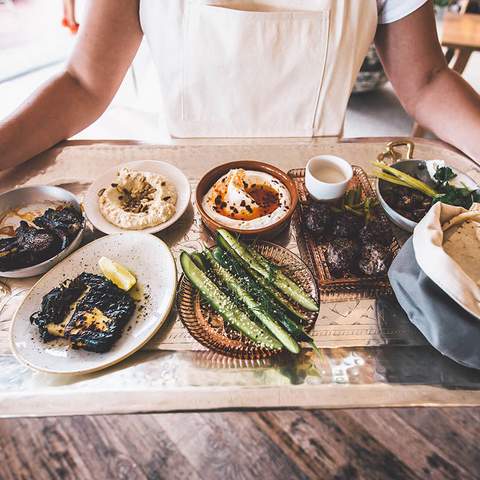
x,y
443,175
352,202
443,192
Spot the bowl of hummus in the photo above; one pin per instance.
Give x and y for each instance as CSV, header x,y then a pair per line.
x,y
137,200
145,195
251,198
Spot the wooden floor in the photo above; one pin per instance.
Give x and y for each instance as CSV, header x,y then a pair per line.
x,y
344,444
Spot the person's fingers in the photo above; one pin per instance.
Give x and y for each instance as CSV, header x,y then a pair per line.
x,y
69,11
69,19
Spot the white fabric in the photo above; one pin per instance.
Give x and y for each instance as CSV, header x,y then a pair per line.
x,y
392,10
437,264
250,68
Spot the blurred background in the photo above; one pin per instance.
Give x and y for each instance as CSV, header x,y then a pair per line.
x,y
34,45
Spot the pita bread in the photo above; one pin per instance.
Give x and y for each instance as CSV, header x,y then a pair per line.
x,y
461,241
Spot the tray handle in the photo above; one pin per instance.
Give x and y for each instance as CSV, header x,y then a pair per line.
x,y
391,155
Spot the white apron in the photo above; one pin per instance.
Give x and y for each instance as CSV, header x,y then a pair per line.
x,y
271,68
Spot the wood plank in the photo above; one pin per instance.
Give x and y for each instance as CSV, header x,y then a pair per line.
x,y
136,447
461,31
387,426
333,443
88,447
342,444
227,445
462,59
453,433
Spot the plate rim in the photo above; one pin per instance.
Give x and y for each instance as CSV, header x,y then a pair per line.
x,y
89,207
103,366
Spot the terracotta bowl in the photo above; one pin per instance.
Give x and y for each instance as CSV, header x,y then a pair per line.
x,y
265,232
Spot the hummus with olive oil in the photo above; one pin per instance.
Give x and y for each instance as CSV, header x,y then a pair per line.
x,y
247,199
138,200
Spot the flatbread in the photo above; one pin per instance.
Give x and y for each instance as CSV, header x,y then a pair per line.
x,y
462,241
472,214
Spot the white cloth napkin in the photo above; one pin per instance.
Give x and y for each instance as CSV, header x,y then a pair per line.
x,y
447,257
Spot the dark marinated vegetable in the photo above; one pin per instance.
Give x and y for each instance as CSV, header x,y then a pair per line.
x,y
31,246
378,230
318,219
375,259
341,256
347,225
411,197
409,203
65,223
8,249
90,311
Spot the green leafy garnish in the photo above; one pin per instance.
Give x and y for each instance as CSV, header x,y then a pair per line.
x,y
443,192
459,197
443,175
352,202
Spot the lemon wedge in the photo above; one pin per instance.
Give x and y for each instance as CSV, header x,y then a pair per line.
x,y
117,273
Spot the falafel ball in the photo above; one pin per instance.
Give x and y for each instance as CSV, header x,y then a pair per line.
x,y
341,256
347,225
375,259
318,219
377,230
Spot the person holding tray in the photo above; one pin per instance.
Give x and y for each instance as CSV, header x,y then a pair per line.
x,y
239,68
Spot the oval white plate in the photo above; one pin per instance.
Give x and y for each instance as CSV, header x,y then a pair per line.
x,y
176,176
147,257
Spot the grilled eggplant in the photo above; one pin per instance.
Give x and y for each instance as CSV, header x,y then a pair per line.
x,y
65,223
29,246
32,245
8,248
90,311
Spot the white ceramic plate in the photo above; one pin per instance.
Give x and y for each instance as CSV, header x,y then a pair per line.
x,y
147,257
176,176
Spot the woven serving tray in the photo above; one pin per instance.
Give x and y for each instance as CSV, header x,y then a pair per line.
x,y
313,252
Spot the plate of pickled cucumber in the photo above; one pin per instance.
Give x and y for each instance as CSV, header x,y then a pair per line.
x,y
248,301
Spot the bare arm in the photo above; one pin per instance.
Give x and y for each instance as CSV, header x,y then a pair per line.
x,y
438,98
108,40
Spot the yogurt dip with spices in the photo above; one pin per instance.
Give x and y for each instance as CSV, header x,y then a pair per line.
x,y
247,199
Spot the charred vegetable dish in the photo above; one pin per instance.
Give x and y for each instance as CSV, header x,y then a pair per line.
x,y
354,235
412,197
89,311
42,238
